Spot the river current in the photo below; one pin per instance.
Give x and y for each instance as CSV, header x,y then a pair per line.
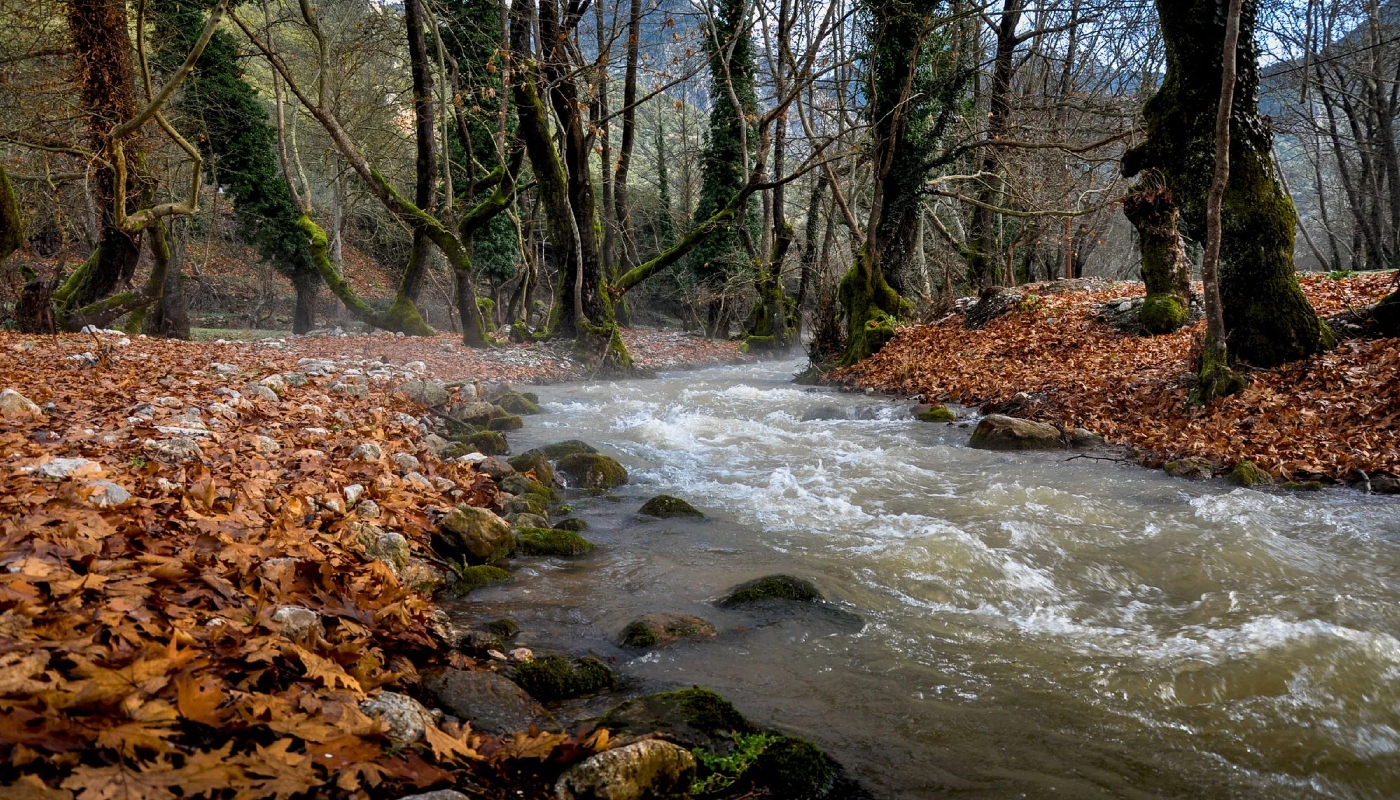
x,y
1034,625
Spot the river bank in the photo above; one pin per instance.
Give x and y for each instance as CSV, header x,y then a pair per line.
x,y
1322,419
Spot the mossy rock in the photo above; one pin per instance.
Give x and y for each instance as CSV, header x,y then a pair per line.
x,y
531,396
1304,486
1162,313
1195,469
1247,473
471,578
537,461
458,449
505,628
521,486
527,504
514,403
773,587
509,422
567,448
490,443
692,717
938,414
664,628
550,542
664,505
571,524
558,678
593,471
794,769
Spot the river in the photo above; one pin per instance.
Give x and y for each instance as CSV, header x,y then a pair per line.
x,y
1034,626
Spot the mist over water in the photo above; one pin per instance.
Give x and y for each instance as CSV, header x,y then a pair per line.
x,y
1034,626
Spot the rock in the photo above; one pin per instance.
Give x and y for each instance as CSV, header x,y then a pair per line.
x,y
387,546
296,622
537,461
549,542
407,462
1195,469
366,451
527,504
1247,473
265,445
495,468
773,587
353,493
359,390
567,448
522,486
470,579
937,414
693,718
425,393
573,524
418,480
1303,486
406,718
105,494
525,519
437,794
421,576
458,450
516,404
473,413
367,508
651,768
261,392
993,302
14,405
1385,483
490,702
665,506
823,412
663,628
999,432
295,379
1084,439
61,468
275,383
177,450
489,442
509,422
794,769
504,627
593,471
557,678
436,444
474,535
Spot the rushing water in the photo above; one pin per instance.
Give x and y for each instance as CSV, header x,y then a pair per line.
x,y
1035,626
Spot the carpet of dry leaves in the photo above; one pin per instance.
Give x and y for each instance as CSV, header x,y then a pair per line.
x,y
1320,418
141,652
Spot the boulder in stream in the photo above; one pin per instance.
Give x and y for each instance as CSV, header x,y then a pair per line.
x,y
665,506
593,471
490,702
550,542
663,628
773,587
1000,432
474,535
651,768
694,717
1195,469
558,678
537,461
567,447
935,413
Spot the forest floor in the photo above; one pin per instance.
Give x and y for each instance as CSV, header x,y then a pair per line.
x,y
195,596
1317,419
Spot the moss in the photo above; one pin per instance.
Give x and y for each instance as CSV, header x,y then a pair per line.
x,y
458,449
938,414
871,307
521,486
472,578
717,773
1303,486
664,505
1247,473
593,471
638,635
509,422
1161,313
567,448
1215,379
572,524
794,769
505,628
692,717
517,404
557,678
490,443
707,711
773,587
550,542
531,396
534,460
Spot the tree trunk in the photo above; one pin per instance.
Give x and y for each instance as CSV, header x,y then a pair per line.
x,y
981,263
1267,319
170,317
1166,271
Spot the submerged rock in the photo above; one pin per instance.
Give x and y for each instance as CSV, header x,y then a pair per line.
x,y
557,678
664,505
567,448
773,587
472,578
593,471
823,412
937,414
490,702
692,717
1195,469
474,535
550,542
1000,432
663,628
651,768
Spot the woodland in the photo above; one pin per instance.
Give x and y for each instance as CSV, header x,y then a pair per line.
x,y
1174,224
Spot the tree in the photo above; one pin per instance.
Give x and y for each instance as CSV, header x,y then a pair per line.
x,y
1266,317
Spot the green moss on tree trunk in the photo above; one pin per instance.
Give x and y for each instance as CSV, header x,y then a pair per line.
x,y
871,308
1166,271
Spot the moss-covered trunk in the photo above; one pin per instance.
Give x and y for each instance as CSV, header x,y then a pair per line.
x,y
1166,270
1267,318
304,318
